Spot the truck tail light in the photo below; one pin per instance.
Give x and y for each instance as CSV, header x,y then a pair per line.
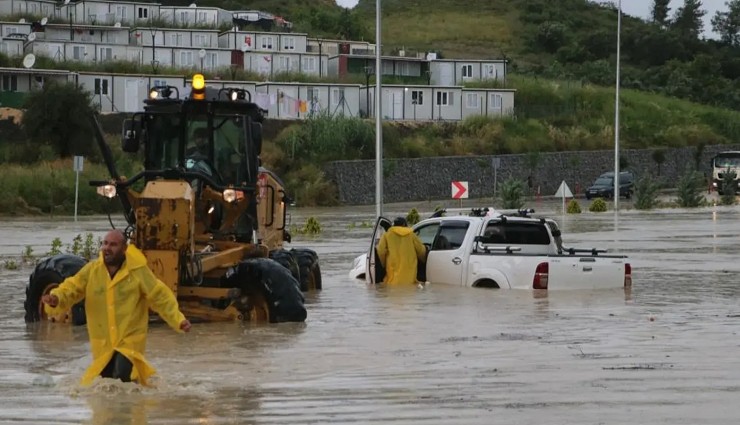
x,y
627,275
540,276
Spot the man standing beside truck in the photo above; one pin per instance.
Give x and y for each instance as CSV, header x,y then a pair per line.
x,y
400,251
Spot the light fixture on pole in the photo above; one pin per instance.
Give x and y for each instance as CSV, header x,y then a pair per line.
x,y
202,56
378,123
616,111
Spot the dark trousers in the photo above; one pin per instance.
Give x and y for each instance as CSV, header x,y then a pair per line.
x,y
119,367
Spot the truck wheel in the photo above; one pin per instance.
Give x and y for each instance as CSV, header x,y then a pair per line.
x,y
273,293
47,275
286,259
487,283
310,271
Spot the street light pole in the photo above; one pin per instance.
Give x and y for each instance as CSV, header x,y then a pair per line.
x,y
378,123
616,112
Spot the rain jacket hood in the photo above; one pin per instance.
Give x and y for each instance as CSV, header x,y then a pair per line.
x,y
117,310
399,251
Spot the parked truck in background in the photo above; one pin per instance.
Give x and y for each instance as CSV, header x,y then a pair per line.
x,y
722,163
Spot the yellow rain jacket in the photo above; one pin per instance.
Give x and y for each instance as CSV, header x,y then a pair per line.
x,y
399,251
117,310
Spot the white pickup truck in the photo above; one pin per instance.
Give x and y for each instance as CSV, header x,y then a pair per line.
x,y
493,249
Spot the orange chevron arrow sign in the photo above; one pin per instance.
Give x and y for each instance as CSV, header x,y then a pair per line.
x,y
459,190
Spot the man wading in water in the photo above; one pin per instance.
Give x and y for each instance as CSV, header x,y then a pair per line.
x,y
118,289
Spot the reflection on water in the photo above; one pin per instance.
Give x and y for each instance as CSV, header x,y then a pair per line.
x,y
662,352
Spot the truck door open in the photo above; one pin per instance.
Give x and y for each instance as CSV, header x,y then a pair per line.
x,y
374,270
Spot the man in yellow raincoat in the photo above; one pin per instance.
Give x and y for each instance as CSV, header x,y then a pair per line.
x,y
399,251
118,288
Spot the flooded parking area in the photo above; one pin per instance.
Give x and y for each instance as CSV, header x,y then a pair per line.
x,y
664,352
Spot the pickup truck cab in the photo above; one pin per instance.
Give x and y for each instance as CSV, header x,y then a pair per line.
x,y
494,249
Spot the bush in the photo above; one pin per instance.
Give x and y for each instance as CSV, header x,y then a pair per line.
x,y
59,116
574,207
646,194
729,187
413,217
690,190
511,194
598,205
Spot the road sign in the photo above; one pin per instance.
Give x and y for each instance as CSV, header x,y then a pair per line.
x,y
459,190
564,191
78,163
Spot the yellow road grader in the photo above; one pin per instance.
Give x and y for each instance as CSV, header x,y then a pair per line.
x,y
209,218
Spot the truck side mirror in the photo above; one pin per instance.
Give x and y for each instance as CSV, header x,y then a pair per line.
x,y
257,137
130,135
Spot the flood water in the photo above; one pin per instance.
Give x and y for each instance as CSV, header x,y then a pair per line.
x,y
665,352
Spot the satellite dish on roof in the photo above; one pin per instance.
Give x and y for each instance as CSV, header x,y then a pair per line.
x,y
117,25
202,53
31,37
22,21
44,20
193,5
29,60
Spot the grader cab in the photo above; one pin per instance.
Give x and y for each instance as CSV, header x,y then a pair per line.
x,y
210,220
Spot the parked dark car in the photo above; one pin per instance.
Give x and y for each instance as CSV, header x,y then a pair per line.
x,y
603,187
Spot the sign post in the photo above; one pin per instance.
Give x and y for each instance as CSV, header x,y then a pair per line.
x,y
78,161
496,163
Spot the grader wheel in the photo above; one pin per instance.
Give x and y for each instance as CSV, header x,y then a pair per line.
x,y
259,310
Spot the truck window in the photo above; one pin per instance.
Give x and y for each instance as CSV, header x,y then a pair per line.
x,y
427,233
451,236
512,233
228,141
163,149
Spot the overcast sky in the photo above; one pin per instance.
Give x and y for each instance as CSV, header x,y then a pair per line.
x,y
640,8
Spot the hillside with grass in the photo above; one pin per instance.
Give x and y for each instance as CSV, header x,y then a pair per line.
x,y
574,40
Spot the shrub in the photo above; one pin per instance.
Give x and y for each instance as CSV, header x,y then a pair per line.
x,y
574,207
413,217
690,187
598,205
729,187
311,227
511,194
646,194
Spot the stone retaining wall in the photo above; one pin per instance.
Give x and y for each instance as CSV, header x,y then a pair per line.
x,y
430,178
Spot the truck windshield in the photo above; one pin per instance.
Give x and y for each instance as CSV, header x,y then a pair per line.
x,y
229,143
722,161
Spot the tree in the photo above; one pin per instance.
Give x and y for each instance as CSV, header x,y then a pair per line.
x,y
660,12
659,158
688,19
59,116
727,24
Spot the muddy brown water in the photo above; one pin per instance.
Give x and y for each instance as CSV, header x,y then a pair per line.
x,y
665,352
